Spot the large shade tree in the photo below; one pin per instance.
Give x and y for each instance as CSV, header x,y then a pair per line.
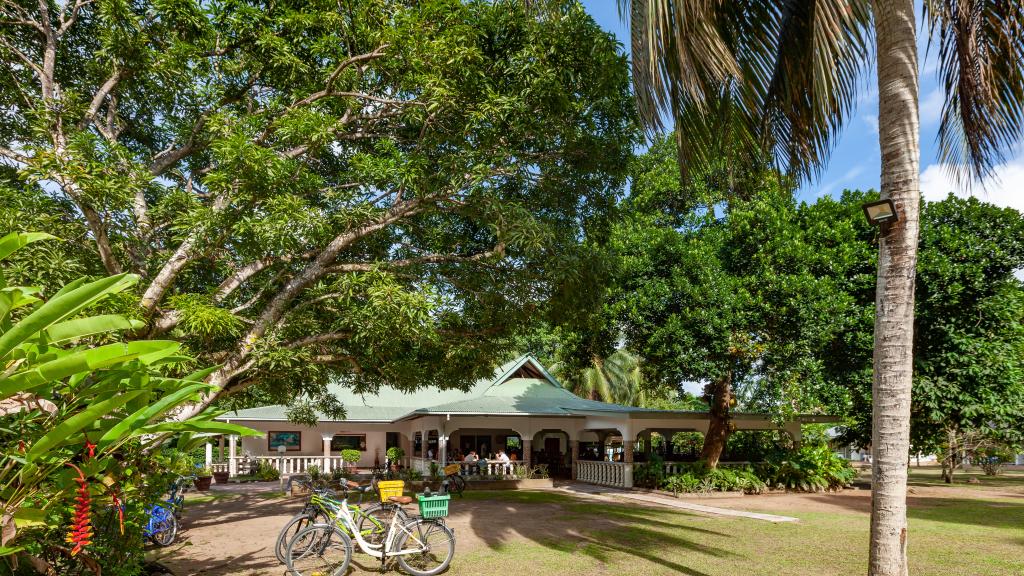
x,y
969,321
721,286
377,190
755,78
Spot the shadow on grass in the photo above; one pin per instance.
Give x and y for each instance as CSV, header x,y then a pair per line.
x,y
995,512
606,532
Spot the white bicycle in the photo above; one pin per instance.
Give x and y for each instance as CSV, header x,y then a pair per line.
x,y
422,546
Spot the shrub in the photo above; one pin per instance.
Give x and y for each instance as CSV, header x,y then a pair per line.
x,y
266,471
811,469
650,474
410,475
395,454
991,460
699,478
351,456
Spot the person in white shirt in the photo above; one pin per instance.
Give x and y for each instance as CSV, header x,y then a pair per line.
x,y
503,460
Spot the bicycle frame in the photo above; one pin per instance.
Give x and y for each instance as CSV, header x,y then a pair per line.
x,y
380,551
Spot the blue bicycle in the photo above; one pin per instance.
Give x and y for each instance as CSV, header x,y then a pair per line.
x,y
162,526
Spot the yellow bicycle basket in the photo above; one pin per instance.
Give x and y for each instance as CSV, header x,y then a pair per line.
x,y
452,469
389,488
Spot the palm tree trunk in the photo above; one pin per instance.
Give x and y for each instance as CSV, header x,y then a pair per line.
x,y
896,44
718,421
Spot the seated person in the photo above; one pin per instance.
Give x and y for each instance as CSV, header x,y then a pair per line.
x,y
503,460
471,457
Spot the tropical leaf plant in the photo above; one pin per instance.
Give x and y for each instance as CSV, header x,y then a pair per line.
x,y
66,402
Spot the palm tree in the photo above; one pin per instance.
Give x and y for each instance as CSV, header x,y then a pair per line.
x,y
778,78
617,378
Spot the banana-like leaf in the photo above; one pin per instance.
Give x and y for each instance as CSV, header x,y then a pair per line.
x,y
87,360
200,426
61,307
142,416
77,423
16,240
90,326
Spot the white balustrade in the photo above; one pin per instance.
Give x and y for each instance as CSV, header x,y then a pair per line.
x,y
618,474
489,468
285,464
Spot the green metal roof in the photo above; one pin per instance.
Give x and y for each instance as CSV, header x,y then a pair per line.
x,y
389,404
514,390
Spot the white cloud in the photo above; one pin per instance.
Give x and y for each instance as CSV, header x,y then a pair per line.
x,y
1005,187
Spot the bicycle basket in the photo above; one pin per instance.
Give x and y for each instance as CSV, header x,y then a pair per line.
x,y
433,506
389,488
452,469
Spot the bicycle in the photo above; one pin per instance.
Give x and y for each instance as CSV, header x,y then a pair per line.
x,y
162,526
422,546
318,510
454,482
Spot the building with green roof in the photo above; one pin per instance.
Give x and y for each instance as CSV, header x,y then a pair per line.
x,y
522,410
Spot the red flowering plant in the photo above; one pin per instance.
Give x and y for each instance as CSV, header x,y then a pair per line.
x,y
82,420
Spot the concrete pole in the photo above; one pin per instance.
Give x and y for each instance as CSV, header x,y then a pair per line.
x,y
575,455
527,452
220,453
232,454
327,452
209,455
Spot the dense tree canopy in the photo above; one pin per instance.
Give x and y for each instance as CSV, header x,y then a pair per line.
x,y
380,190
969,333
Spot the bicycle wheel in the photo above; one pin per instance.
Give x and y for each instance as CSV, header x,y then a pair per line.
x,y
458,483
319,550
375,520
165,531
294,525
431,544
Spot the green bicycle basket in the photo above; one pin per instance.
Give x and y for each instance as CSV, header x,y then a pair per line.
x,y
433,506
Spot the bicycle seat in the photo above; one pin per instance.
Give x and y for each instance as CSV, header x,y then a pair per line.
x,y
403,500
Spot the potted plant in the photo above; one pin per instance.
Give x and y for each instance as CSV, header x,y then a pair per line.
x,y
220,476
350,457
204,477
395,455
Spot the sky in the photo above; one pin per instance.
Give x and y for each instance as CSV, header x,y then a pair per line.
x,y
855,160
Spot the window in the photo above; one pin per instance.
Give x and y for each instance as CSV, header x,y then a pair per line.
x,y
348,442
392,440
417,445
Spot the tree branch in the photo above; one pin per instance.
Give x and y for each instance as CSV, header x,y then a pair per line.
x,y
318,339
97,101
498,250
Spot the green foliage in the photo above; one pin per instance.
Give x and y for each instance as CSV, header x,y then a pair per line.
x,y
697,477
395,454
266,472
66,399
993,458
813,468
969,327
364,193
351,456
410,475
650,474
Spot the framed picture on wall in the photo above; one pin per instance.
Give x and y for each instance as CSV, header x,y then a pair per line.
x,y
292,441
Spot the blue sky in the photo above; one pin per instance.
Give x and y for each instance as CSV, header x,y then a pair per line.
x,y
855,159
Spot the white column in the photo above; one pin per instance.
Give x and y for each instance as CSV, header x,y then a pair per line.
x,y
442,449
209,455
327,452
232,452
220,453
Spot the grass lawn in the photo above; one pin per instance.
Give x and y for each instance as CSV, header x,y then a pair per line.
x,y
972,535
959,530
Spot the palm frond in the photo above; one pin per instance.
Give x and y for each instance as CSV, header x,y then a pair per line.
x,y
753,78
980,52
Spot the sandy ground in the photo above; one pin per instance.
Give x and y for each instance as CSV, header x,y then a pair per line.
x,y
234,534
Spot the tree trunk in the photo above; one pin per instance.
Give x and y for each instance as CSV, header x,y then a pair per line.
x,y
896,49
718,421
